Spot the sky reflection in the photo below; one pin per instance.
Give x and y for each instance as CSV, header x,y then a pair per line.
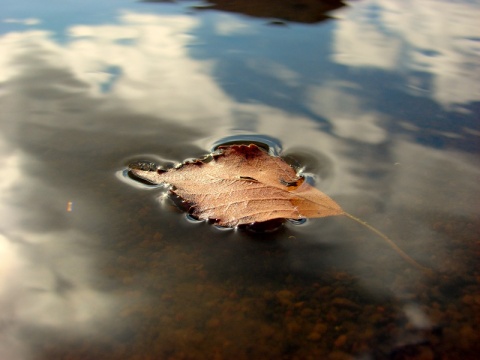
x,y
435,46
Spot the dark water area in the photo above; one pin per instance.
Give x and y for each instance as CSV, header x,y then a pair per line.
x,y
378,102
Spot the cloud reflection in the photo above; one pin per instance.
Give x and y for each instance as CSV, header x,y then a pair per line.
x,y
276,71
27,21
158,61
440,41
45,276
353,119
227,25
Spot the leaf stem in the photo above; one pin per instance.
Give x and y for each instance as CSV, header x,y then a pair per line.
x,y
390,242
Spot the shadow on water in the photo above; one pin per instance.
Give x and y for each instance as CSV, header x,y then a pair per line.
x,y
305,11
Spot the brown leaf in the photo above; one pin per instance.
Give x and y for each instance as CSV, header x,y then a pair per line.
x,y
242,184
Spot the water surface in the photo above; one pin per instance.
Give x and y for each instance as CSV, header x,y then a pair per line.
x,y
380,106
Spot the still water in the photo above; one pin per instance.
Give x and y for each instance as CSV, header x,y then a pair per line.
x,y
378,102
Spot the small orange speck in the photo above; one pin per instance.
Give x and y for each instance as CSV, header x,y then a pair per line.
x,y
69,206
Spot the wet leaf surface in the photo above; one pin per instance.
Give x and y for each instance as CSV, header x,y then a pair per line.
x,y
241,184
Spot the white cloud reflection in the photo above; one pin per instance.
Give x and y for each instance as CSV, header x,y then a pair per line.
x,y
159,61
275,70
439,38
27,21
227,25
353,119
45,277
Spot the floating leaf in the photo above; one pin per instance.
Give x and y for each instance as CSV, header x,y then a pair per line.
x,y
243,184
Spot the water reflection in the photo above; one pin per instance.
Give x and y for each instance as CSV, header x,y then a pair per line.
x,y
434,48
46,260
75,111
354,119
306,11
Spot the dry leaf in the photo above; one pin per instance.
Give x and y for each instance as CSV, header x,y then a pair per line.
x,y
242,184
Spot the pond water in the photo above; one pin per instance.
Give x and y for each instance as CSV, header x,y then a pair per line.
x,y
378,102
